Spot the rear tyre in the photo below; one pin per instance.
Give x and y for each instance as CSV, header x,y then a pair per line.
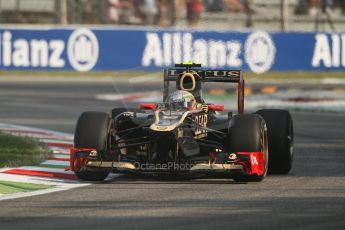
x,y
280,139
248,133
92,131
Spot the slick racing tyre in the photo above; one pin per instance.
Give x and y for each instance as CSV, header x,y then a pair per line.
x,y
280,140
92,131
248,133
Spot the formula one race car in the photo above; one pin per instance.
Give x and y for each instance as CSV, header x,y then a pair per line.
x,y
184,135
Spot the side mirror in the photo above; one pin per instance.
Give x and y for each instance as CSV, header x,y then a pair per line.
x,y
148,106
215,107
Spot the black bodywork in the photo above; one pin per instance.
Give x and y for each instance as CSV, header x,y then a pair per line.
x,y
202,132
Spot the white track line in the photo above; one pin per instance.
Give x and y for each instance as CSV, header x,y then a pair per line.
x,y
41,192
48,140
60,185
54,162
63,156
60,150
45,169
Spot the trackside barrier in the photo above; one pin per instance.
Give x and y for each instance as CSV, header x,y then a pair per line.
x,y
111,49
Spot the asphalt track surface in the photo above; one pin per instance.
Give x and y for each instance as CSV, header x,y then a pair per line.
x,y
312,196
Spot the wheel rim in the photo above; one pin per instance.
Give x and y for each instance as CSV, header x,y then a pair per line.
x,y
265,150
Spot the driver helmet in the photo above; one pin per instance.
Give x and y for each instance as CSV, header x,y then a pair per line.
x,y
181,100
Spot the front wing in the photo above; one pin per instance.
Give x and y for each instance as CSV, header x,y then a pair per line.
x,y
246,163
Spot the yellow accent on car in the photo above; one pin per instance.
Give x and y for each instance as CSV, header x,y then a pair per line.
x,y
188,63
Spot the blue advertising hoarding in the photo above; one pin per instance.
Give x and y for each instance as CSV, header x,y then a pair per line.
x,y
111,49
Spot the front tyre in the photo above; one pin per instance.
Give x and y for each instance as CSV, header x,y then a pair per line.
x,y
92,131
280,139
248,133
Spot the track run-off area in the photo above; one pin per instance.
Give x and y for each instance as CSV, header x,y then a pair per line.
x,y
312,196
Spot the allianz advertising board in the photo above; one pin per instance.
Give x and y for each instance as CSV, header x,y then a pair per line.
x,y
105,49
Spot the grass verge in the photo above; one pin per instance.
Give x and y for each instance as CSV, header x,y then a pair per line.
x,y
18,151
8,187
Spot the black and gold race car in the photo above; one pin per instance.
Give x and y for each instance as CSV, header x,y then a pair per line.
x,y
184,135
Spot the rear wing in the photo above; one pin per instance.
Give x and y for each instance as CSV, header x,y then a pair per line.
x,y
231,76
